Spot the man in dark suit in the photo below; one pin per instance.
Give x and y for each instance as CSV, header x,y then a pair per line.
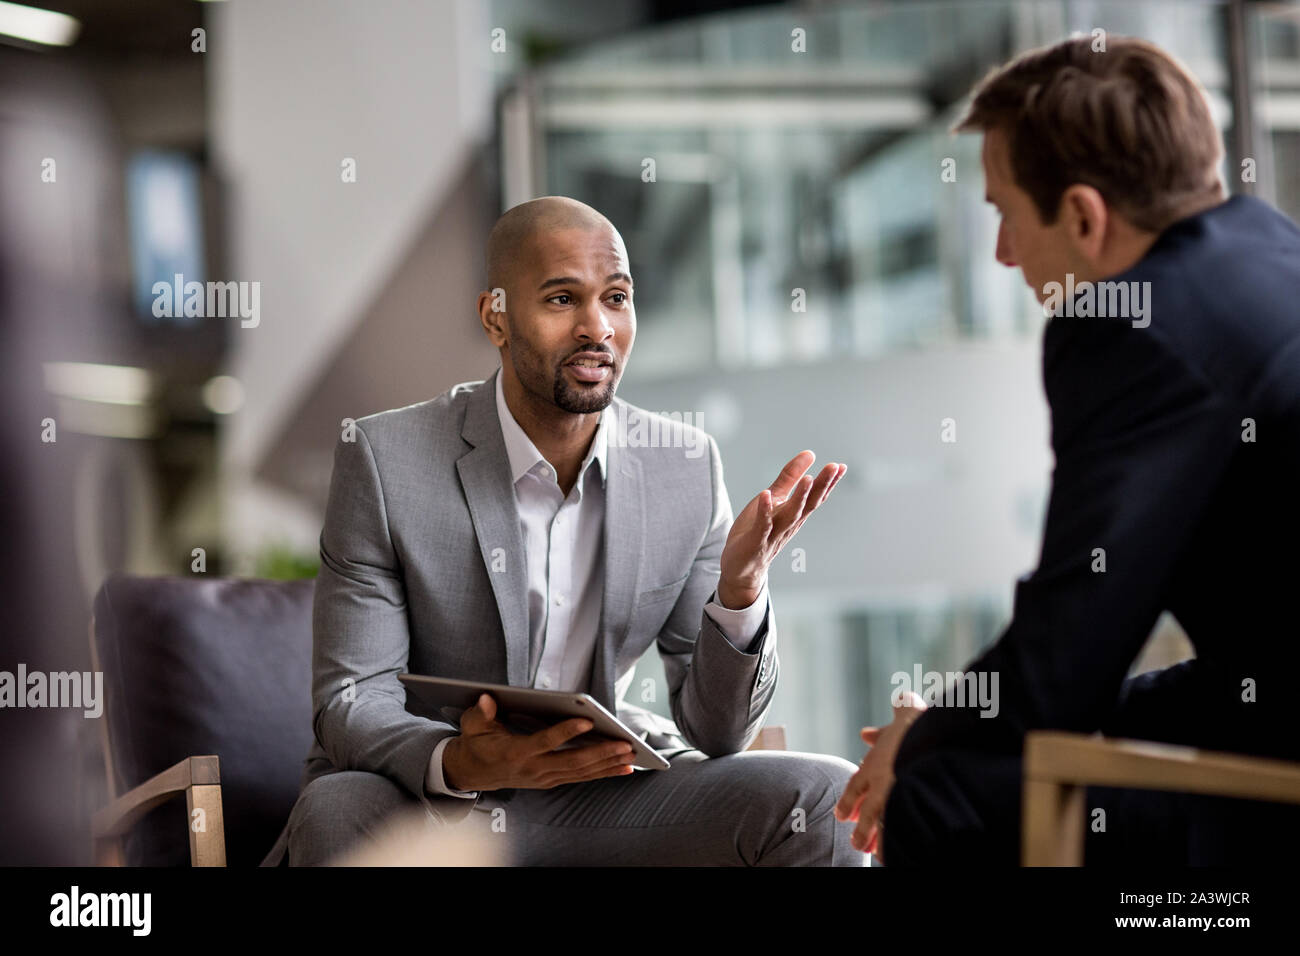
x,y
1174,387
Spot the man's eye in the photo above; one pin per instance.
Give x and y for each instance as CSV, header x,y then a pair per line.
x,y
556,298
619,298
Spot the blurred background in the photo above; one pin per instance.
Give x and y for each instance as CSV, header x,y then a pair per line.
x,y
813,258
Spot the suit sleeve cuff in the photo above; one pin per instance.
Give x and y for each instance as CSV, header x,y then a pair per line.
x,y
740,627
433,781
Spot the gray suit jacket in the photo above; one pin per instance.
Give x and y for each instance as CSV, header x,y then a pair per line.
x,y
422,570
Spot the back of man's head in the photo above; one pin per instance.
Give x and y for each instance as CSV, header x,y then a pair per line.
x,y
1128,120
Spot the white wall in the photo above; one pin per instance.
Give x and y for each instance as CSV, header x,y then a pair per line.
x,y
402,87
915,518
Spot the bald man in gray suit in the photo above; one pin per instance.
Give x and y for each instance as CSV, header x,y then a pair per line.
x,y
534,530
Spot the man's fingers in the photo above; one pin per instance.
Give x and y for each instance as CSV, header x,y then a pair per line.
x,y
844,470
858,838
826,480
790,474
547,740
861,836
847,806
822,486
832,473
869,815
854,809
788,515
908,700
476,719
579,759
611,767
763,505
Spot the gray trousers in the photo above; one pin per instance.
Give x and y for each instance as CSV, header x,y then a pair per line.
x,y
756,808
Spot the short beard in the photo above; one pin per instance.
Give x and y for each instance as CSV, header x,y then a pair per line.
x,y
582,402
567,399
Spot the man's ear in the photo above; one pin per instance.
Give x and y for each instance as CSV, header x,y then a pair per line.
x,y
492,315
1086,217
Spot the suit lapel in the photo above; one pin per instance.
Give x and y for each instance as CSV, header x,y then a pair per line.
x,y
485,480
624,536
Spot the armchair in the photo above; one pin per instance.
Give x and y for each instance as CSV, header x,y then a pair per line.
x,y
1058,766
208,694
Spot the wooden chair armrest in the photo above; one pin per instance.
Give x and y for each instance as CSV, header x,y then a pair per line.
x,y
769,738
1058,766
199,778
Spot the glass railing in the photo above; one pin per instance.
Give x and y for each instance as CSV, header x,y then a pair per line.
x,y
814,266
1275,61
785,179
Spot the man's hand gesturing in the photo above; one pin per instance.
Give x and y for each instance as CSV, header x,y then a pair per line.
x,y
488,756
764,526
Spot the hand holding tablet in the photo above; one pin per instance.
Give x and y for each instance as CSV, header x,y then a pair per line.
x,y
501,746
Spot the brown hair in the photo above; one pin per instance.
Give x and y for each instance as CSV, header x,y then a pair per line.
x,y
1127,120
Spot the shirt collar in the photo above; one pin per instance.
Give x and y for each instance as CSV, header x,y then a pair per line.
x,y
523,454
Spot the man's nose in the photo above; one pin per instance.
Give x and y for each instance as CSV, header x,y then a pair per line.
x,y
1003,251
593,324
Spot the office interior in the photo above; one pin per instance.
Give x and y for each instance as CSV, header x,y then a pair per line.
x,y
798,284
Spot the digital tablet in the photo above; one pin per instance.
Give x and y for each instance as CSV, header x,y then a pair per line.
x,y
527,710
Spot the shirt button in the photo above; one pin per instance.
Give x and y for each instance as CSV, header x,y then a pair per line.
x,y
559,600
546,682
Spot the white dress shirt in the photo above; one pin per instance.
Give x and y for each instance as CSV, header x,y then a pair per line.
x,y
564,554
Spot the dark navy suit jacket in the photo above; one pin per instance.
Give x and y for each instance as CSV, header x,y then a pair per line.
x,y
1151,466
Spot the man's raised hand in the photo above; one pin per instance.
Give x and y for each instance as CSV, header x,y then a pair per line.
x,y
764,526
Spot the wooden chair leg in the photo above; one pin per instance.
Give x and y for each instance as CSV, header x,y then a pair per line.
x,y
1053,824
770,738
207,827
108,852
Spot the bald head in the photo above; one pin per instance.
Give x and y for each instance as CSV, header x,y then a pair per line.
x,y
559,309
521,225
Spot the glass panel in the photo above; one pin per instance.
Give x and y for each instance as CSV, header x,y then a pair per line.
x,y
815,268
1275,40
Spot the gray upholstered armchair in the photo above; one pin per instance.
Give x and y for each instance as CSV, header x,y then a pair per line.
x,y
208,694
208,687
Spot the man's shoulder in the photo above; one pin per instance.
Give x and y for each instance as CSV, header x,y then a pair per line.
x,y
418,435
1209,308
443,415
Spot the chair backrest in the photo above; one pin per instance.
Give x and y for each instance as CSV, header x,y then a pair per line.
x,y
197,666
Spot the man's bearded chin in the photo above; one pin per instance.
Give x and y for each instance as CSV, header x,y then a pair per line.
x,y
582,401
